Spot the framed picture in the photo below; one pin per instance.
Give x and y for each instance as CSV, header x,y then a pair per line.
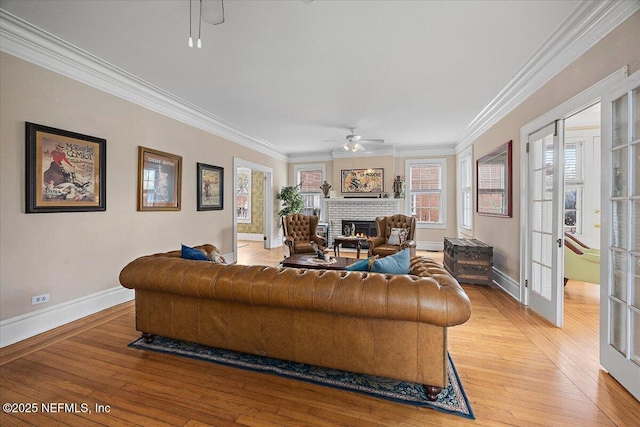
x,y
159,180
494,180
362,180
66,171
210,187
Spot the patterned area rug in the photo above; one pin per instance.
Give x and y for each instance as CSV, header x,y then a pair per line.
x,y
451,400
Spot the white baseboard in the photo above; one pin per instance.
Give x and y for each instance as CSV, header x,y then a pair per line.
x,y
430,246
507,284
28,325
254,237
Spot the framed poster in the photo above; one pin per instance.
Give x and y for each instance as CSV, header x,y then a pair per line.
x,y
65,171
210,187
362,180
159,180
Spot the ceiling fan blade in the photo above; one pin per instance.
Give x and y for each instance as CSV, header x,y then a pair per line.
x,y
376,141
334,140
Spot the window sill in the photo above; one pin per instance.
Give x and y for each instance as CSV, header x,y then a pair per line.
x,y
431,225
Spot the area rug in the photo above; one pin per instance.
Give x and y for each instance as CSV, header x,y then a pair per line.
x,y
452,399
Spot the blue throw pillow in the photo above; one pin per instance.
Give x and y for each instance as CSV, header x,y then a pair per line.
x,y
397,263
192,253
362,265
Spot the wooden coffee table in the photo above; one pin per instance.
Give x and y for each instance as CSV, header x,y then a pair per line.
x,y
303,261
357,241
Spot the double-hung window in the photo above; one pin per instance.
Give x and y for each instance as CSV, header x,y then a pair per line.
x,y
573,186
465,192
426,191
310,178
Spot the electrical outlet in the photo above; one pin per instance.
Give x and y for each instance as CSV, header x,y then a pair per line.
x,y
39,299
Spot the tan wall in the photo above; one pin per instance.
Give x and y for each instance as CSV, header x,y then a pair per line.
x,y
396,166
619,48
71,255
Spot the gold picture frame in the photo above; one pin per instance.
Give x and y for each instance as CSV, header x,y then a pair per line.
x,y
159,180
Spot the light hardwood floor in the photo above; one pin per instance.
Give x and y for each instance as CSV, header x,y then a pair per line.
x,y
515,367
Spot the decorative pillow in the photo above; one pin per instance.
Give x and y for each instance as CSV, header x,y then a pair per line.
x,y
398,236
397,263
394,237
192,253
216,258
362,265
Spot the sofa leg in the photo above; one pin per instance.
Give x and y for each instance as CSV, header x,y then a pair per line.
x,y
147,337
432,391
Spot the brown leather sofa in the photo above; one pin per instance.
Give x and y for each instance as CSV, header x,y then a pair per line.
x,y
378,245
371,323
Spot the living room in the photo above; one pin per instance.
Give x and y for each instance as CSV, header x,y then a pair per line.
x,y
76,257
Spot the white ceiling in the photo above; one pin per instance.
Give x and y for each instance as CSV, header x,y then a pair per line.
x,y
414,73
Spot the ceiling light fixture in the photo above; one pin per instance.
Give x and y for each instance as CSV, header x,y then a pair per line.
x,y
200,26
190,39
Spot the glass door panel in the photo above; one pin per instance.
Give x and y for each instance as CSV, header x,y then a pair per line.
x,y
544,183
620,281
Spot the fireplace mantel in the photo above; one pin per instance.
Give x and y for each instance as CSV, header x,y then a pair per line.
x,y
362,199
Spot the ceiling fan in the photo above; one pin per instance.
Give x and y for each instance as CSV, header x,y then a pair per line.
x,y
353,142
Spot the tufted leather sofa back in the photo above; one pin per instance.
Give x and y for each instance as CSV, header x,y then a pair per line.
x,y
428,295
300,227
384,225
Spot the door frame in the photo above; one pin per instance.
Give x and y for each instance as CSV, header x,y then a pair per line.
x,y
268,232
579,102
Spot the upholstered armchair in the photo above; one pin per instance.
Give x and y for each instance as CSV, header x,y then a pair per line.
x,y
579,264
299,231
395,233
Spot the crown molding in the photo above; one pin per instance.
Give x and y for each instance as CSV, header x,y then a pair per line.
x,y
445,149
589,23
26,41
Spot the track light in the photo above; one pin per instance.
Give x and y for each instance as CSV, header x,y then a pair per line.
x,y
200,26
190,39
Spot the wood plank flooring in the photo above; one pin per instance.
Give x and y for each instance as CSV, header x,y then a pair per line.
x,y
516,368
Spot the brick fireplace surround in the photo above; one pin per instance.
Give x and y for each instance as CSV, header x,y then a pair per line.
x,y
361,209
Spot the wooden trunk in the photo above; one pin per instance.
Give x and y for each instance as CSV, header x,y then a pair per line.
x,y
468,260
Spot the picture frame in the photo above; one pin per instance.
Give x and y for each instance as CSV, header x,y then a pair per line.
x,y
159,180
494,182
362,181
210,187
65,171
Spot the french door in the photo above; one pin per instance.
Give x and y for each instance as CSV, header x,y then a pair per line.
x,y
546,191
620,256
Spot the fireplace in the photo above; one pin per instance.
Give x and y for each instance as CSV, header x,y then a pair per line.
x,y
362,228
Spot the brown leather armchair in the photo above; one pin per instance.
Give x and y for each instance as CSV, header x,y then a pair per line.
x,y
299,232
379,245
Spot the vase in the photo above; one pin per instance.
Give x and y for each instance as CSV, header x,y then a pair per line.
x,y
325,189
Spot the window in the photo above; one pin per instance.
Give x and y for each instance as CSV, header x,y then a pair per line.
x,y
573,186
426,191
310,178
465,191
243,196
